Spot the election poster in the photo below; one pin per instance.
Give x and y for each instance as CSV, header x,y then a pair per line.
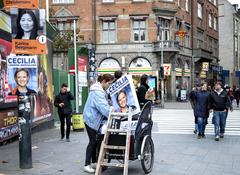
x,y
123,95
28,31
31,4
22,73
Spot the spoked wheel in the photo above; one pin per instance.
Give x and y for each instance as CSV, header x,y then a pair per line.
x,y
147,153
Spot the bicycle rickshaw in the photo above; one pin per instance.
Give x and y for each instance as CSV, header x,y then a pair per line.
x,y
141,143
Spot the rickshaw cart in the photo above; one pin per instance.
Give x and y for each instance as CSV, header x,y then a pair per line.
x,y
112,144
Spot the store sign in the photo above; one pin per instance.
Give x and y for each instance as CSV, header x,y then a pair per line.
x,y
205,66
187,73
167,69
178,72
203,74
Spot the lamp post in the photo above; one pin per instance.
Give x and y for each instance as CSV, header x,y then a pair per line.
x,y
76,66
162,31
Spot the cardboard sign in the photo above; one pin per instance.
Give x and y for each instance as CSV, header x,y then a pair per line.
x,y
30,4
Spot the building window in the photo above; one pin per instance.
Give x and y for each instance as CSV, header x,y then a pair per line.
x,y
215,2
107,1
65,26
215,47
178,3
63,1
200,10
200,39
215,23
139,30
210,44
187,5
236,26
187,36
210,20
164,29
108,32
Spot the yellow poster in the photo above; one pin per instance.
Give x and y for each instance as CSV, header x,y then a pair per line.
x,y
30,4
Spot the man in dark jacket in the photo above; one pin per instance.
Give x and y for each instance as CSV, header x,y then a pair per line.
x,y
142,90
63,103
220,103
201,111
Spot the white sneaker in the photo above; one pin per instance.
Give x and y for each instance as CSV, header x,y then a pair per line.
x,y
94,165
89,169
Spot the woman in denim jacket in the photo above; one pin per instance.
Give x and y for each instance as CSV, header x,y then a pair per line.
x,y
95,110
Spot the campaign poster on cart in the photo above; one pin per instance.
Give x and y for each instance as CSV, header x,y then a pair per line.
x,y
22,71
123,95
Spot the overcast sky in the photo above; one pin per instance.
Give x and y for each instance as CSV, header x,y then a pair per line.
x,y
235,2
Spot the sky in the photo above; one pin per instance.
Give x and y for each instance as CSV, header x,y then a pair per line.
x,y
235,2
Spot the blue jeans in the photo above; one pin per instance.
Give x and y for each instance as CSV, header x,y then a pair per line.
x,y
219,120
201,125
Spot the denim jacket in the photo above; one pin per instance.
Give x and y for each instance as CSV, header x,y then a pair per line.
x,y
96,107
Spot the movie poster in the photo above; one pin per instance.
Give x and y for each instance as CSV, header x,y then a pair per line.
x,y
28,31
123,95
8,104
44,99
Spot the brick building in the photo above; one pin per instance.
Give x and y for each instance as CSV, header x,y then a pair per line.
x,y
131,35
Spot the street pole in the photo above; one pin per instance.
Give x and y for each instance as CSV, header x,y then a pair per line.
x,y
76,67
25,141
162,79
47,10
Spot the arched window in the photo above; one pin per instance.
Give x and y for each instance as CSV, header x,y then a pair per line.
x,y
140,62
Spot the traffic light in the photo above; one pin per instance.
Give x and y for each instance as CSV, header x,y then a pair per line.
x,y
161,73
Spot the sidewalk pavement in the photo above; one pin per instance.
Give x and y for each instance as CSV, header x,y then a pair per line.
x,y
174,155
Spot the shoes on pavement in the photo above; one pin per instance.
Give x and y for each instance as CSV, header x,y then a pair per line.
x,y
199,136
221,136
61,139
89,169
67,140
94,165
203,136
217,138
195,131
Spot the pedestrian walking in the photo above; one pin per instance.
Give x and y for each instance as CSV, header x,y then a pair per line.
x,y
95,111
144,91
192,102
237,96
63,103
201,109
220,103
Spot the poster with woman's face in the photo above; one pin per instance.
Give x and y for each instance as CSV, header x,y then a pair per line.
x,y
28,31
123,95
22,74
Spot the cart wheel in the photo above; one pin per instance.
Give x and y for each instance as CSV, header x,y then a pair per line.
x,y
147,153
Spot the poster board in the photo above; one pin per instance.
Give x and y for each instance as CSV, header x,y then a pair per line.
x,y
27,64
123,94
28,31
